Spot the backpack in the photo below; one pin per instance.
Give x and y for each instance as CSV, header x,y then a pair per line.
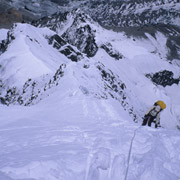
x,y
161,104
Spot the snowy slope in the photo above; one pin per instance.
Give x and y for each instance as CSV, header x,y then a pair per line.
x,y
29,55
28,61
71,136
3,34
81,88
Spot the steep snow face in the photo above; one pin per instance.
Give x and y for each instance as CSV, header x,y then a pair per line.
x,y
72,136
27,60
28,55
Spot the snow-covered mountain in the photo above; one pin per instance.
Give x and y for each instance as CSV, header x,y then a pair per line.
x,y
135,12
111,14
71,92
170,31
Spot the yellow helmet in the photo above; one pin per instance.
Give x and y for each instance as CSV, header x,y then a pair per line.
x,y
161,104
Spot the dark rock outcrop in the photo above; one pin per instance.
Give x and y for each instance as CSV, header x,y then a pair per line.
x,y
64,48
163,78
112,52
31,91
82,35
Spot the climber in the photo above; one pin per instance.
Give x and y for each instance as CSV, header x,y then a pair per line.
x,y
153,114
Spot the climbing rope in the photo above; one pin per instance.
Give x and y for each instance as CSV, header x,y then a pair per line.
x,y
129,154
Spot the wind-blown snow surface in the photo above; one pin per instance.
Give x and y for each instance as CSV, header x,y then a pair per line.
x,y
80,129
70,136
